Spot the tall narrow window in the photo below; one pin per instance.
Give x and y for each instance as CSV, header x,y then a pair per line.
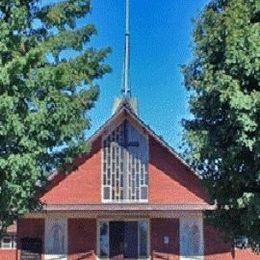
x,y
143,238
191,238
56,239
195,240
125,163
104,239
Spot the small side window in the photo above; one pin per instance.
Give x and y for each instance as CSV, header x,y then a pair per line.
x,y
8,242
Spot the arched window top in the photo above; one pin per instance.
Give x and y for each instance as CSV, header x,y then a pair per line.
x,y
57,234
56,237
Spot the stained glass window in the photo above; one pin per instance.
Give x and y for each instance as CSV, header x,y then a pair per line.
x,y
125,164
191,238
55,238
143,238
195,240
104,239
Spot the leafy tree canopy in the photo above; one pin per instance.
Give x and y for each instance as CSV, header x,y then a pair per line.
x,y
223,135
44,95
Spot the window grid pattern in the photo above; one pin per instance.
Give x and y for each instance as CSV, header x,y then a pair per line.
x,y
125,165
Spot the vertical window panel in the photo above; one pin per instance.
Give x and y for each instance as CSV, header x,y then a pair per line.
x,y
195,240
144,193
56,238
191,238
104,239
125,159
143,238
106,193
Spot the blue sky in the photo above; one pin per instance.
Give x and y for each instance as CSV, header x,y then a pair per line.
x,y
161,38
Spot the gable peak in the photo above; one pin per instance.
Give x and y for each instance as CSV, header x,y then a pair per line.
x,y
125,102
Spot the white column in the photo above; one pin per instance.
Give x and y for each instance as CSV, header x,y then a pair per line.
x,y
191,238
56,239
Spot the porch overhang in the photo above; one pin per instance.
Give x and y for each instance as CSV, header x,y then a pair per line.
x,y
120,210
126,207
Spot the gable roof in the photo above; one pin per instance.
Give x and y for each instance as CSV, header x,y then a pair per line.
x,y
125,108
191,189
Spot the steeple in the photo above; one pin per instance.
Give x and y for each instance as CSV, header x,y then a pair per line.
x,y
126,95
126,90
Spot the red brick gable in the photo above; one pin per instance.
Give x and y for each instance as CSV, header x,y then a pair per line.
x,y
81,186
171,181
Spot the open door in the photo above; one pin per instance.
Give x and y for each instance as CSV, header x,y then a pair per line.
x,y
123,239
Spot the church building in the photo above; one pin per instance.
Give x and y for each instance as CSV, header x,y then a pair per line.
x,y
131,197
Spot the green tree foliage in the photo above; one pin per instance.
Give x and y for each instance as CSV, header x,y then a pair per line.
x,y
223,136
45,94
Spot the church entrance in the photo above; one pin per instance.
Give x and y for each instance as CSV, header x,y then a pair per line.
x,y
123,239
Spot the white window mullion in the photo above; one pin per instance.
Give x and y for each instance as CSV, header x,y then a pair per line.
x,y
126,147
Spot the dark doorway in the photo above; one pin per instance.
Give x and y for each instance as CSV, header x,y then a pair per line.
x,y
31,249
123,238
116,239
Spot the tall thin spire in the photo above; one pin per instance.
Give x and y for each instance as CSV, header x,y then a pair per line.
x,y
126,98
126,90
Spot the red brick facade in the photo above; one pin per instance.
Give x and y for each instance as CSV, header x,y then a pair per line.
x,y
82,235
161,228
30,228
180,185
8,254
171,182
83,184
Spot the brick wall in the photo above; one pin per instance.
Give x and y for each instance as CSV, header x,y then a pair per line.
x,y
30,228
83,185
159,229
8,254
170,181
166,172
82,238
